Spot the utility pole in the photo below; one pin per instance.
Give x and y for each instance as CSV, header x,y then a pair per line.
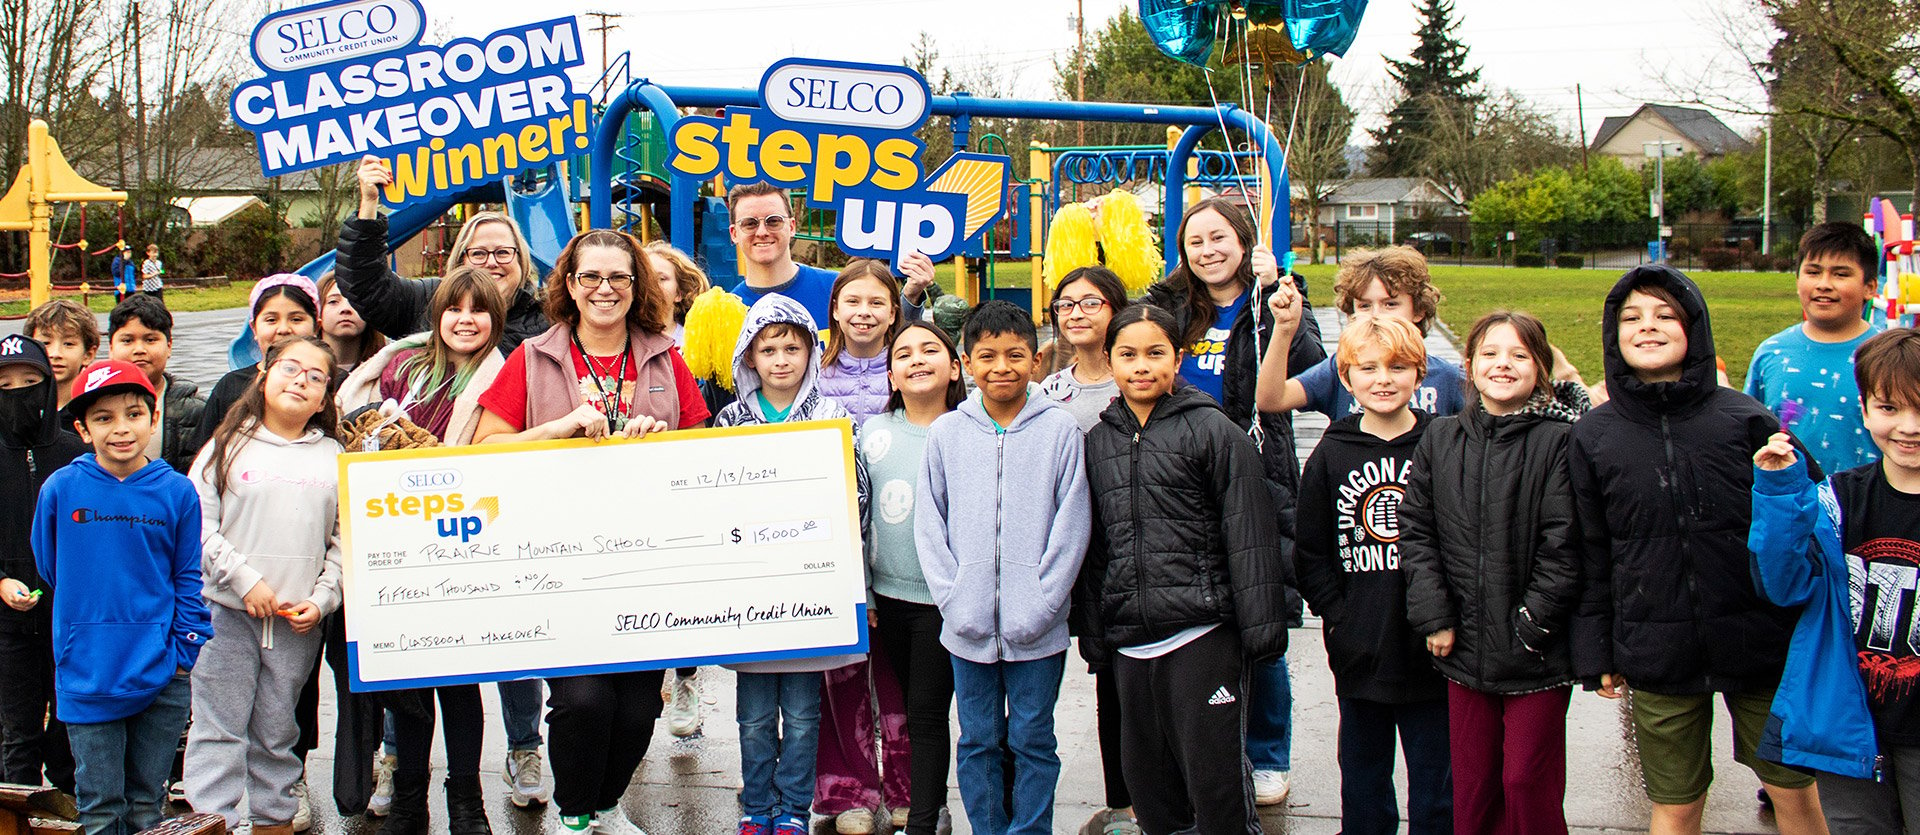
x,y
1580,103
1766,196
1080,66
139,107
606,24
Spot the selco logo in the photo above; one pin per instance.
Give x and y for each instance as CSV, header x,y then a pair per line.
x,y
857,96
315,35
430,481
447,511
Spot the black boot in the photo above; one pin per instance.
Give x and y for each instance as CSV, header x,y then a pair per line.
x,y
466,810
409,814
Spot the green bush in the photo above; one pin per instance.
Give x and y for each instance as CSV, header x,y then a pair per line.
x,y
1529,259
1569,260
245,247
1719,258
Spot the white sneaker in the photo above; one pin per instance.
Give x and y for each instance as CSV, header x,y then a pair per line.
x,y
523,774
854,822
382,800
303,814
683,713
1270,788
614,821
899,818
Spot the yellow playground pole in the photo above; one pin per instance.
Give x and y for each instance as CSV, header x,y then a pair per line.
x,y
46,179
1039,169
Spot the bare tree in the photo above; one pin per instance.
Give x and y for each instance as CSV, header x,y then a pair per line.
x,y
1468,146
1320,124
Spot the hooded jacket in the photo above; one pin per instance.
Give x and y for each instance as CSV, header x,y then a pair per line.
x,y
398,306
123,557
1821,718
1184,530
859,384
1662,474
1242,360
1001,519
32,447
1348,559
1487,530
363,387
808,404
276,522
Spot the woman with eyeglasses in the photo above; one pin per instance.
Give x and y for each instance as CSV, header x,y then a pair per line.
x,y
606,367
396,306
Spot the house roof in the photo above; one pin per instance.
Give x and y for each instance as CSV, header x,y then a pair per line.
x,y
1698,126
1386,190
209,211
204,169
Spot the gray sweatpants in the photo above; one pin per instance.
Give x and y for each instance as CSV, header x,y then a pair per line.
x,y
243,732
1865,807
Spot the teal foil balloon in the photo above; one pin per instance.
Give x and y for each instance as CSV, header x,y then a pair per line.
x,y
1322,26
1184,30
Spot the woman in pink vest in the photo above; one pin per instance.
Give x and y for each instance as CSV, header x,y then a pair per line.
x,y
607,366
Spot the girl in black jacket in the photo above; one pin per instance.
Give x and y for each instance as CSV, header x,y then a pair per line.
x,y
1218,296
1186,585
1489,550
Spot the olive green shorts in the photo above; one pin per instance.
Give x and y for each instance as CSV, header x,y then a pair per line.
x,y
1675,738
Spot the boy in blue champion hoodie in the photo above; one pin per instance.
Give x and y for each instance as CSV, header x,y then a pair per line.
x,y
117,536
1002,518
1844,550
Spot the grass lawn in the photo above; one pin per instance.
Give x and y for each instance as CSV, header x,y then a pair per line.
x,y
183,300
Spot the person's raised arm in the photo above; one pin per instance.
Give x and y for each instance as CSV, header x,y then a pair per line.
x,y
1273,390
388,303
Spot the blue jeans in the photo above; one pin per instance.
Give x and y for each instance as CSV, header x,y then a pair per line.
x,y
779,717
120,767
1367,802
1008,706
520,713
1270,717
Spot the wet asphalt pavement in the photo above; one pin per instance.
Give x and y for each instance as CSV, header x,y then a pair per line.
x,y
689,786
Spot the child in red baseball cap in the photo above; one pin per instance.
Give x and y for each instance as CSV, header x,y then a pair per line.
x,y
116,535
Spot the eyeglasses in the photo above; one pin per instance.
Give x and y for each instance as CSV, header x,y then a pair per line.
x,y
503,255
592,281
1062,307
774,223
292,370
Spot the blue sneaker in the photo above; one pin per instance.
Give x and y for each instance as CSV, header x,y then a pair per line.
x,y
755,825
790,825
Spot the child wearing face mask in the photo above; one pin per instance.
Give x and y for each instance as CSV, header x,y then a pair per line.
x,y
33,744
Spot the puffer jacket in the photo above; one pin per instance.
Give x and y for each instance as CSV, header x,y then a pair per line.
x,y
397,306
858,384
29,453
184,423
1185,532
1487,531
1246,344
1662,474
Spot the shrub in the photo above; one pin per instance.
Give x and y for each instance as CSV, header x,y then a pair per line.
x,y
1718,258
1529,259
1570,260
249,245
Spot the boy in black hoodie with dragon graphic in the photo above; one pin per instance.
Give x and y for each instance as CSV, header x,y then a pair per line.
x,y
1348,564
31,448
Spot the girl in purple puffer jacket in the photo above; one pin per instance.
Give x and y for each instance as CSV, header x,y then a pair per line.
x,y
865,308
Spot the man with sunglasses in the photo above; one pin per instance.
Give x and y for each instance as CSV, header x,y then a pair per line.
x,y
762,233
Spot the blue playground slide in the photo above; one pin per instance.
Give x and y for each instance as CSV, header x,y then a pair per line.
x,y
544,214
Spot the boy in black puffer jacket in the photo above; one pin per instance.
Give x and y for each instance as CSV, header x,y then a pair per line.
x,y
1662,476
1348,558
1186,588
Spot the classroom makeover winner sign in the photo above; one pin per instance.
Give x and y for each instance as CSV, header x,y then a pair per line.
x,y
346,79
560,558
844,133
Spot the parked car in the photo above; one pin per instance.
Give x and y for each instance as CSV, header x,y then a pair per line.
x,y
1430,242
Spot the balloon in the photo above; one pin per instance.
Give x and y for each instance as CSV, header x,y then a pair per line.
x,y
1324,26
1263,44
1275,31
1185,31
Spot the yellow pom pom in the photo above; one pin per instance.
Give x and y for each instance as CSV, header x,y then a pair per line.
x,y
1070,244
1128,243
713,326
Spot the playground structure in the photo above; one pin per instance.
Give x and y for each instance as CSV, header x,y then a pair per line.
x,y
46,179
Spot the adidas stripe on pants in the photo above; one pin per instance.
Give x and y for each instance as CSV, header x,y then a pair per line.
x,y
1184,737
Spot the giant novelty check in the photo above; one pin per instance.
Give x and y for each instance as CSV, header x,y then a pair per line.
x,y
562,558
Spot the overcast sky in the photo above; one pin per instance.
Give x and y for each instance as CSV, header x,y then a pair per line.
x,y
1623,52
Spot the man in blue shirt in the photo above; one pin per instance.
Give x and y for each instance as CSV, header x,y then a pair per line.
x,y
762,233
1805,373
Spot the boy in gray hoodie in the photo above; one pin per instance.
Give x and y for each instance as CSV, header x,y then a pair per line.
x,y
1002,519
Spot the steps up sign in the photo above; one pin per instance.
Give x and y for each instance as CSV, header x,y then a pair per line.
x,y
844,133
346,79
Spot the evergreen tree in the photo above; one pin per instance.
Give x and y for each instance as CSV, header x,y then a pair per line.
x,y
1433,80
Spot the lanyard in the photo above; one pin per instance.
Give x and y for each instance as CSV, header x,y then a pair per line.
x,y
609,400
